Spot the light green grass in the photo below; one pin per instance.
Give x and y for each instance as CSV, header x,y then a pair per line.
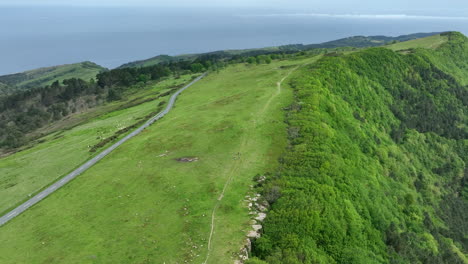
x,y
46,76
431,42
140,205
28,171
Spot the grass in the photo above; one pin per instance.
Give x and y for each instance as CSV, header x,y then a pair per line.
x,y
28,171
431,42
46,76
140,205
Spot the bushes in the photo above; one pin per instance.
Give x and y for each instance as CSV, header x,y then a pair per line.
x,y
374,163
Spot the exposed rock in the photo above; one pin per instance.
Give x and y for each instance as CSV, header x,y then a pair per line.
x,y
244,254
253,234
262,208
260,217
248,244
257,227
261,179
187,159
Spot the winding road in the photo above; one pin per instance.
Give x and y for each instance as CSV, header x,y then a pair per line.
x,y
57,185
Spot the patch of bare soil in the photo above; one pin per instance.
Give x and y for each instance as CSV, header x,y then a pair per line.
x,y
187,159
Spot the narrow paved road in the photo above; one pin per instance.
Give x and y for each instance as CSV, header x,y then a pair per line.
x,y
37,198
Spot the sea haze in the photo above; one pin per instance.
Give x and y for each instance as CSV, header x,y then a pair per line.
x,y
47,36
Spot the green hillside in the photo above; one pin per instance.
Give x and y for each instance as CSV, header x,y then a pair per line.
x,y
54,155
376,169
432,42
46,76
156,60
5,89
364,151
356,42
26,115
371,41
160,208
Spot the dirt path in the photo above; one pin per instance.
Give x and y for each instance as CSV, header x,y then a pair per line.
x,y
278,91
235,165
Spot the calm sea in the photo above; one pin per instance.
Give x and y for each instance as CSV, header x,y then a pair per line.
x,y
38,37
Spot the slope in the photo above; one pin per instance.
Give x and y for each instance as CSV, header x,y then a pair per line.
x,y
376,167
356,42
28,171
147,202
371,41
46,76
5,89
431,42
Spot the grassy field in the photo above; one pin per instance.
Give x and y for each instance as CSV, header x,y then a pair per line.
x,y
431,42
141,205
46,76
30,170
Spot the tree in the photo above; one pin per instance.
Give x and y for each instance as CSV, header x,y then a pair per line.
x,y
144,78
251,60
197,67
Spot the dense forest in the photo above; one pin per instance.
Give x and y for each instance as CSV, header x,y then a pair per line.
x,y
375,171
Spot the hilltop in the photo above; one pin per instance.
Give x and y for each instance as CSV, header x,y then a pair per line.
x,y
376,169
46,76
356,42
358,155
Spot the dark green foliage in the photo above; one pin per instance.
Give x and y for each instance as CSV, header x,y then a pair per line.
x,y
25,111
255,261
376,167
197,67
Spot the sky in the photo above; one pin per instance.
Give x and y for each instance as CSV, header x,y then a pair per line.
x,y
112,32
418,7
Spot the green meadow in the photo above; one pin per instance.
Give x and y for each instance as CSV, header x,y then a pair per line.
x,y
46,76
431,42
141,204
27,172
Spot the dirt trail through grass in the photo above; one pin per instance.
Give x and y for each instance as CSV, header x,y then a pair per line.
x,y
235,165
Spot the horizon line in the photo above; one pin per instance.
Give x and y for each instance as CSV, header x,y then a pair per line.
x,y
360,16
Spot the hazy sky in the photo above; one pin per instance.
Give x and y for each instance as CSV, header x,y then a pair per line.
x,y
52,32
430,7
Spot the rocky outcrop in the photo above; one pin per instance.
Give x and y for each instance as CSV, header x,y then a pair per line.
x,y
257,209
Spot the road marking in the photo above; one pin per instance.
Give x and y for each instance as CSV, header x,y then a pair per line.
x,y
11,214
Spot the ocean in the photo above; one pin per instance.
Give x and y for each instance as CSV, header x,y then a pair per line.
x,y
32,37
